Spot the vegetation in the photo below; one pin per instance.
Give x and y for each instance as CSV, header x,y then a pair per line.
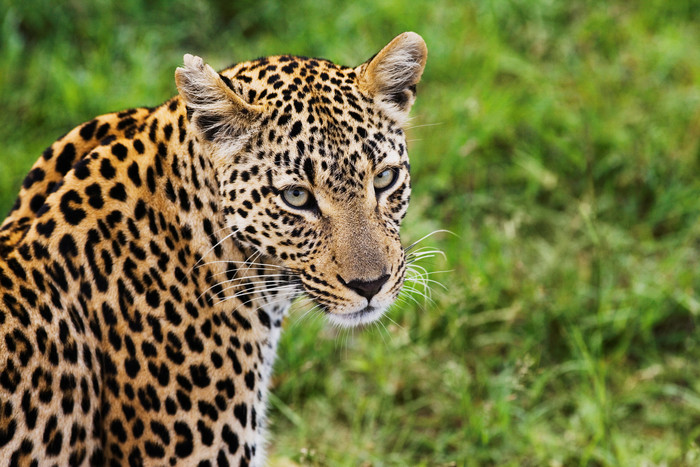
x,y
559,142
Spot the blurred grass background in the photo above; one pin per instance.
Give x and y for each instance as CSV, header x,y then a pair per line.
x,y
559,141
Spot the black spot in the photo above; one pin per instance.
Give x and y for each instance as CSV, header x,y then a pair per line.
x,y
138,427
152,130
81,170
106,142
132,367
151,180
46,228
65,160
221,460
88,130
208,410
120,151
30,413
72,215
134,175
240,411
206,434
296,129
102,131
309,170
184,447
230,438
250,380
47,154
200,376
264,317
170,191
184,400
107,169
138,145
117,429
193,341
118,192
154,450
7,432
184,200
161,431
35,175
356,116
140,210
36,202
52,438
153,298
94,193
245,324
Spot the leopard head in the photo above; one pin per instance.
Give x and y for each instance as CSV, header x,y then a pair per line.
x,y
312,166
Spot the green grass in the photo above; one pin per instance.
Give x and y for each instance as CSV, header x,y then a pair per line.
x,y
559,141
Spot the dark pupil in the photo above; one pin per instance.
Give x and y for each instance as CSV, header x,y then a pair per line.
x,y
296,193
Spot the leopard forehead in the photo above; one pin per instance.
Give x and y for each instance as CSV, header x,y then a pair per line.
x,y
319,129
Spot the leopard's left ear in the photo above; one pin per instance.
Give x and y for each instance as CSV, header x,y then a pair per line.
x,y
391,75
219,113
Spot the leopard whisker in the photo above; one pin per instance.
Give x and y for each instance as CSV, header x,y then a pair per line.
x,y
233,232
242,262
257,288
282,298
424,125
424,281
415,291
314,310
412,245
241,279
255,292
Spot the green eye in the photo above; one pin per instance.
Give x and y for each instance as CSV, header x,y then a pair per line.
x,y
297,197
384,179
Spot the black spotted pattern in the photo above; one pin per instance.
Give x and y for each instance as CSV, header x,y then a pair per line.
x,y
145,272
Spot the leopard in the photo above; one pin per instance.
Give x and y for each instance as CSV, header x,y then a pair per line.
x,y
152,255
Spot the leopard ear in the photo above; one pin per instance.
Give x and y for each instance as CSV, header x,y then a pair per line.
x,y
217,111
391,75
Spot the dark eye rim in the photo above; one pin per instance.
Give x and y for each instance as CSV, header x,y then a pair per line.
x,y
310,204
394,172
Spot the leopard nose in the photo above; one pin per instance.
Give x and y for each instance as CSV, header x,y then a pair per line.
x,y
367,289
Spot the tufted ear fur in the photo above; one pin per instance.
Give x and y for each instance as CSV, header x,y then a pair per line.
x,y
391,75
218,112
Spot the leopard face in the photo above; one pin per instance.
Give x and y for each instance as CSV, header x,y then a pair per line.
x,y
315,175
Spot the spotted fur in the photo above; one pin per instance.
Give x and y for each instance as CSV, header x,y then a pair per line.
x,y
151,255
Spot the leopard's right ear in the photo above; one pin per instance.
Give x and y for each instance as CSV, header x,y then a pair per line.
x,y
220,114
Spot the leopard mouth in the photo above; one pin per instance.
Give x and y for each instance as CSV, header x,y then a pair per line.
x,y
366,315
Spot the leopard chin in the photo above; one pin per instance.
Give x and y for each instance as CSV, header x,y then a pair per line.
x,y
366,315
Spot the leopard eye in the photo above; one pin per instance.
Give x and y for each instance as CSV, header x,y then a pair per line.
x,y
384,179
297,197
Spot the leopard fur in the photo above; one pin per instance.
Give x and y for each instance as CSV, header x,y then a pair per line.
x,y
151,256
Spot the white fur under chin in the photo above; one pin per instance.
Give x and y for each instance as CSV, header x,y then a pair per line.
x,y
358,318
